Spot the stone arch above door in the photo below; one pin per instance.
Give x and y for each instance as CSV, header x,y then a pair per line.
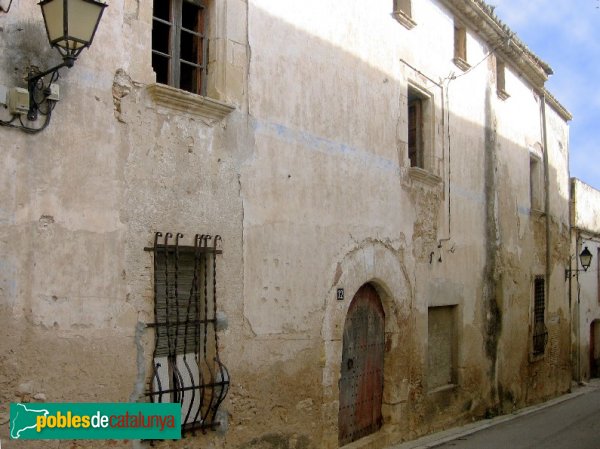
x,y
381,266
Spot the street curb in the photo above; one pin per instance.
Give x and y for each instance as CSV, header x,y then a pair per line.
x,y
439,438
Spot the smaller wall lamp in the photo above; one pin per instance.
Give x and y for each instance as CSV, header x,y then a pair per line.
x,y
70,26
585,258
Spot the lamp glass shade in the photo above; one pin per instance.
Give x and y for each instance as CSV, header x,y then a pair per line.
x,y
71,24
585,258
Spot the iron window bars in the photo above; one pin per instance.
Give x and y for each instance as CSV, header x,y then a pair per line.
x,y
186,365
540,332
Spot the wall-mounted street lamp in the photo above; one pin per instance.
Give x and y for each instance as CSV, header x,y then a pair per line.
x,y
585,258
71,26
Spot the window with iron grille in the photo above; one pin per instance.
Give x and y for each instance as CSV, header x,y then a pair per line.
x,y
540,333
186,365
179,44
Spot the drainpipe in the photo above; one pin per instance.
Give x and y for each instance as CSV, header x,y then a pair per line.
x,y
573,308
578,321
547,193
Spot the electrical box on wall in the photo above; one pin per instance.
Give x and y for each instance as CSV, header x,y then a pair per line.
x,y
18,100
53,92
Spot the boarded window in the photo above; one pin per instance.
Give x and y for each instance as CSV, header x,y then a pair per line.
x,y
540,333
179,44
441,347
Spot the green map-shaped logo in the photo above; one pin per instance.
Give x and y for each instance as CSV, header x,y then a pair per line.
x,y
23,418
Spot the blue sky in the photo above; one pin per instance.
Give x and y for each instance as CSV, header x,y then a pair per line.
x,y
566,35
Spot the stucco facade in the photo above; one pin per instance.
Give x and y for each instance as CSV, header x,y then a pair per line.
x,y
298,156
585,284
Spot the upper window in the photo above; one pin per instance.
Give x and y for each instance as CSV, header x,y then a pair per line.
x,y
403,13
179,44
404,6
418,124
460,46
501,79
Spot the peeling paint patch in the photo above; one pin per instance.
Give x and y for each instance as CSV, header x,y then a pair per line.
x,y
45,221
122,85
338,274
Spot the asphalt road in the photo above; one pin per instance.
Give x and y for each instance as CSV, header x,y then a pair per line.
x,y
572,424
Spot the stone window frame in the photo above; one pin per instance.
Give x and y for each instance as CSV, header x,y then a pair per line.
x,y
402,12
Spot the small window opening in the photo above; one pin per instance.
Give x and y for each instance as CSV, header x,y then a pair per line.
x,y
416,108
404,6
403,13
501,79
535,183
460,46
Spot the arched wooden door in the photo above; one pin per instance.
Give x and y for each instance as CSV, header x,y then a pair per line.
x,y
361,380
595,349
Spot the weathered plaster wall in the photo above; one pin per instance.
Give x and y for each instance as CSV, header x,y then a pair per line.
x,y
81,200
316,165
586,199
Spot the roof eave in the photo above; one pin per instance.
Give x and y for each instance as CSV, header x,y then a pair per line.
x,y
502,40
